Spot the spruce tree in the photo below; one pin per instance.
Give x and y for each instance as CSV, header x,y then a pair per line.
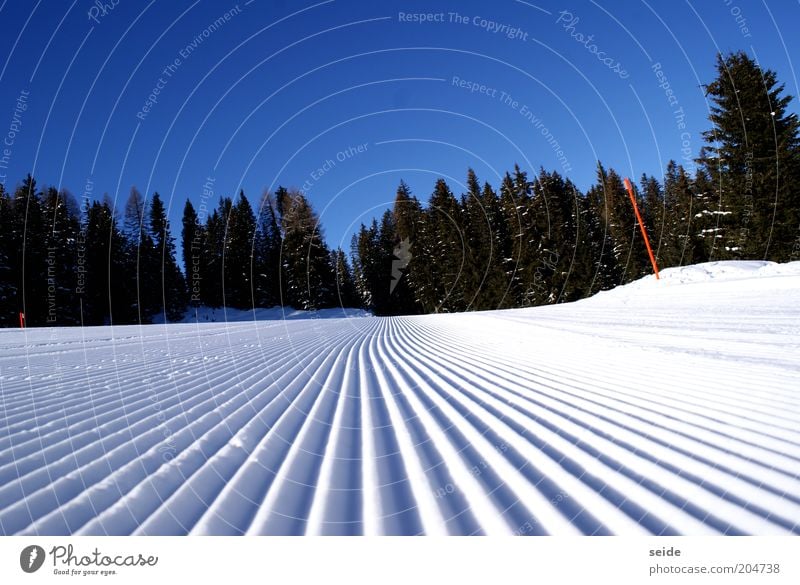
x,y
29,255
346,294
174,297
238,255
752,156
512,208
310,282
443,253
369,272
191,247
406,257
266,255
106,267
61,228
9,285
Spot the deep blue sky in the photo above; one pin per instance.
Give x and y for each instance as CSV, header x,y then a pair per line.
x,y
268,97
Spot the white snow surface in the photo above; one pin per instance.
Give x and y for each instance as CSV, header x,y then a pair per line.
x,y
660,407
205,314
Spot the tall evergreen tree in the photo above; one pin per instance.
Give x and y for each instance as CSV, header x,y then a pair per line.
x,y
29,257
137,291
172,284
752,156
346,294
105,268
267,255
310,282
192,236
238,255
406,257
9,284
443,255
61,226
212,254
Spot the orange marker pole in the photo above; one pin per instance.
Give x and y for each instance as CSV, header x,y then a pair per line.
x,y
629,187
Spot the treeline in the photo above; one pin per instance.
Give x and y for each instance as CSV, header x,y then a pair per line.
x,y
65,264
532,240
276,255
542,241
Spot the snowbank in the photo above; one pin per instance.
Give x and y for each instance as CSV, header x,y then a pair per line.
x,y
277,313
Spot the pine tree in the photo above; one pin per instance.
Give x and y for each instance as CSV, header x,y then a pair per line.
x,y
513,205
172,283
9,285
214,241
406,258
607,272
267,255
443,253
752,156
368,270
346,294
192,237
480,254
704,216
137,293
61,227
628,248
310,282
29,254
106,267
555,210
238,255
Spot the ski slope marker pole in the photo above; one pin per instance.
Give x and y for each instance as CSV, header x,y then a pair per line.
x,y
21,320
629,187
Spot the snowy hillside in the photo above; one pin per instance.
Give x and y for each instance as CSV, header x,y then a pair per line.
x,y
669,407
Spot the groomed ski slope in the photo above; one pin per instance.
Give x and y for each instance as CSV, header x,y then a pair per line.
x,y
668,407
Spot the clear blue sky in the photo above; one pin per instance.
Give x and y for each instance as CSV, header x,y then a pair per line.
x,y
285,93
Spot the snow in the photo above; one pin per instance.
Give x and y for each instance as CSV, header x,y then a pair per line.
x,y
205,314
664,406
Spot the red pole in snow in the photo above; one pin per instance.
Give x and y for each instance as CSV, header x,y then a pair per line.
x,y
629,187
21,320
